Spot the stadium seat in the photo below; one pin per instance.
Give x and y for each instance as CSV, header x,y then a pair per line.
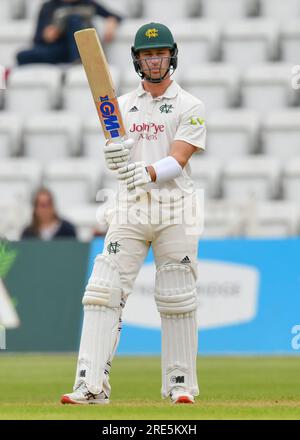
x,y
291,179
77,96
33,89
290,41
281,134
206,173
2,78
268,87
18,179
273,219
125,8
2,85
6,12
15,35
52,136
84,217
134,8
11,9
18,9
73,181
248,42
118,52
32,8
227,10
216,84
232,133
222,219
249,178
109,181
129,81
14,216
198,41
10,134
93,139
155,9
279,9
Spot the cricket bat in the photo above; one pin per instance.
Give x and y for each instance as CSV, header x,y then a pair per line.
x,y
101,84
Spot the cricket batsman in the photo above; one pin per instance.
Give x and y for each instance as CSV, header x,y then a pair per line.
x,y
165,126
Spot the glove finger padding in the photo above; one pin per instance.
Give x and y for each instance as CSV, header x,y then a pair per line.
x,y
127,175
118,154
118,160
134,182
130,167
110,148
118,146
121,153
134,174
114,164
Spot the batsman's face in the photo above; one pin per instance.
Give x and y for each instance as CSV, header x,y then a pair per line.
x,y
154,62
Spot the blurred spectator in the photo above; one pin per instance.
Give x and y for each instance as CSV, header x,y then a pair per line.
x,y
46,223
58,20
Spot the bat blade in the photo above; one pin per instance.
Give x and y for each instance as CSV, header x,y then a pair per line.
x,y
101,84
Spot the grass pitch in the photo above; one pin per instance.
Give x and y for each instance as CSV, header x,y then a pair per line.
x,y
231,388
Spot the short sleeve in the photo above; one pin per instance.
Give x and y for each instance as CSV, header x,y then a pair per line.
x,y
192,128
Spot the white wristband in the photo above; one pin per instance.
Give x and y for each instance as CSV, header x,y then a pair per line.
x,y
167,169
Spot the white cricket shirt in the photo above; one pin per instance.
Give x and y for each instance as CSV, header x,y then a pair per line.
x,y
154,123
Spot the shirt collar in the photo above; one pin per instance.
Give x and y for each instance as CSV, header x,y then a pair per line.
x,y
171,92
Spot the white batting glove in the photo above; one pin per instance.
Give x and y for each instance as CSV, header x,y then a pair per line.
x,y
135,174
117,155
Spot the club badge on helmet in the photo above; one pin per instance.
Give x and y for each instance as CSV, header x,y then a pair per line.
x,y
154,36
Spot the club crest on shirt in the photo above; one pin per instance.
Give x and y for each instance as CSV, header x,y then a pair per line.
x,y
166,108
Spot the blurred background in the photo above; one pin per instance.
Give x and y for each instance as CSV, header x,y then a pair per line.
x,y
241,58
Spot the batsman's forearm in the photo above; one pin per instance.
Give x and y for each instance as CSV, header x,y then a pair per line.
x,y
152,172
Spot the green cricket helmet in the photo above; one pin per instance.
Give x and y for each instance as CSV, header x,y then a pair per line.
x,y
154,36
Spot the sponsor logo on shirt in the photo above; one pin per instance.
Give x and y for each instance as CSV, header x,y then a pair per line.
x,y
197,121
185,260
147,131
133,109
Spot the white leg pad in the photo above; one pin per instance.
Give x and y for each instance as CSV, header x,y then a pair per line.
x,y
101,324
175,295
106,384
